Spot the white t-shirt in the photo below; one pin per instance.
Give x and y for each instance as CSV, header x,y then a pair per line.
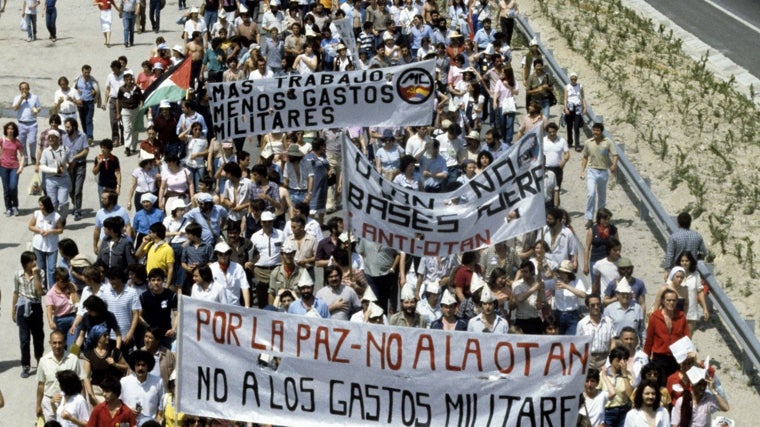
x,y
553,151
595,407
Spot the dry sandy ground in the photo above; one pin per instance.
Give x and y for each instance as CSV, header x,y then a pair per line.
x,y
80,41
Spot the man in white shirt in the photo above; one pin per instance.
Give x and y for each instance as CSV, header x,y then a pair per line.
x,y
230,275
141,390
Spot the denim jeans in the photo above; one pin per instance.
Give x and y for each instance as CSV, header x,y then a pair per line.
x,y
545,106
51,14
86,113
58,189
10,187
596,185
31,25
568,321
507,126
210,17
615,417
47,261
30,328
63,324
128,20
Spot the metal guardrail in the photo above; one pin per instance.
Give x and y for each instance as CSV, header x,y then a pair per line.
x,y
650,209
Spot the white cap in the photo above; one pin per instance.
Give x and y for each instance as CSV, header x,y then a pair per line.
x,y
204,198
623,287
158,66
448,298
369,295
173,203
407,293
433,287
374,310
487,295
387,36
54,133
534,42
288,248
148,197
194,10
267,216
222,247
178,48
476,283
305,279
164,104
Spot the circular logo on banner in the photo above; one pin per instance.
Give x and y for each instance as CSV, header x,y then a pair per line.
x,y
415,85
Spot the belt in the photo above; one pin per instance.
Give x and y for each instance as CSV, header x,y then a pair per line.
x,y
265,267
65,316
295,190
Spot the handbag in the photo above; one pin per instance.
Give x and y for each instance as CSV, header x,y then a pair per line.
x,y
509,105
35,187
552,98
584,420
22,25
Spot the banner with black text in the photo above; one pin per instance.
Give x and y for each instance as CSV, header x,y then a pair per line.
x,y
275,368
503,201
392,96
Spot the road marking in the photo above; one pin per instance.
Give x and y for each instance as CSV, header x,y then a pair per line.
x,y
733,15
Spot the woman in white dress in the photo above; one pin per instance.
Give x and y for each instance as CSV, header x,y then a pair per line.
x,y
692,282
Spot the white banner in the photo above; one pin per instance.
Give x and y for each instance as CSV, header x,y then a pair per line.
x,y
470,217
346,31
274,368
392,96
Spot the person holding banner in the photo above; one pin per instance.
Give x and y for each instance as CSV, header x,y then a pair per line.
x,y
341,299
529,298
308,304
408,315
449,320
488,321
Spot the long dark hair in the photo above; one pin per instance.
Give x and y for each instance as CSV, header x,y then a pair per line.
x,y
47,205
692,261
638,397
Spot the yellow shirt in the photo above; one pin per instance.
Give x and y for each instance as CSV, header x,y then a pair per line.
x,y
172,418
160,256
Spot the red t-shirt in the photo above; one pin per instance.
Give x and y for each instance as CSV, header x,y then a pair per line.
x,y
101,416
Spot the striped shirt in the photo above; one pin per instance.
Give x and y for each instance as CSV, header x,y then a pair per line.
x,y
601,333
25,287
122,305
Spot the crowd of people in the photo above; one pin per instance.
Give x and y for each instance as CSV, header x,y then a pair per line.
x,y
204,218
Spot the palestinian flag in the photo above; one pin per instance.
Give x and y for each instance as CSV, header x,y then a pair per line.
x,y
171,86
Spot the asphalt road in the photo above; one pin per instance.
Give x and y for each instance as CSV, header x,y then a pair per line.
x,y
729,26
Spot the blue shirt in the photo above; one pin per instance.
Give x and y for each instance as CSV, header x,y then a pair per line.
x,y
483,39
103,214
212,228
24,113
419,33
76,145
297,307
144,219
86,88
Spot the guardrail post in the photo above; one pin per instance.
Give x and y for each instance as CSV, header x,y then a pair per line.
x,y
748,368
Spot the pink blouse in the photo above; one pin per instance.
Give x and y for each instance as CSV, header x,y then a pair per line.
x,y
8,156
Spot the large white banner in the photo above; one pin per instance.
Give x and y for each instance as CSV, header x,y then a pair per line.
x,y
392,96
470,217
274,368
